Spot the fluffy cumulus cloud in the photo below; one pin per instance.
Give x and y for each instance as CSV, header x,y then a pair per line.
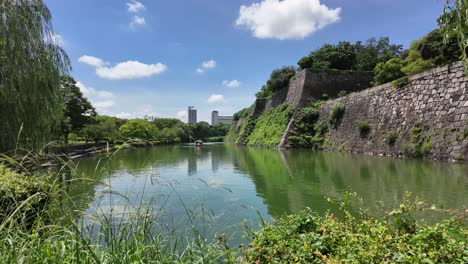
x,y
206,65
216,99
92,61
231,84
286,19
124,70
135,7
130,70
99,98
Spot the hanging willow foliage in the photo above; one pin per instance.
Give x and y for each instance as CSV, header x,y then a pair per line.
x,y
31,64
455,22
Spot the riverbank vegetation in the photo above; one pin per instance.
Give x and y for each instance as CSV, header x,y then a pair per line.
x,y
137,235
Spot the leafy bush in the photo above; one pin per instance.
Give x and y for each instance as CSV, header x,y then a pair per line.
x,y
306,141
420,145
391,138
336,114
364,128
307,237
388,71
270,126
305,120
402,82
279,79
28,195
242,113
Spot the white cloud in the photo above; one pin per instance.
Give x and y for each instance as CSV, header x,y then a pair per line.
x,y
216,99
286,19
123,70
130,70
231,84
99,98
135,7
144,111
137,21
93,61
91,92
182,115
104,104
209,64
206,65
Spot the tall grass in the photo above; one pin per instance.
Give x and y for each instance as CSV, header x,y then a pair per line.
x,y
122,232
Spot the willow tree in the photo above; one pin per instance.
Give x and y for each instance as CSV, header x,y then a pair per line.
x,y
31,64
455,23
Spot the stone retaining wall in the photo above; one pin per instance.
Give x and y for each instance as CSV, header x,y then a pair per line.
x,y
435,100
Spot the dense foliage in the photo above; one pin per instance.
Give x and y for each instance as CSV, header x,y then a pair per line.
x,y
307,237
346,56
454,24
308,130
269,127
279,79
31,66
78,111
24,197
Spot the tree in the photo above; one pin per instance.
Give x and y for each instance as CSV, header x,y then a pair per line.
x,y
338,57
279,79
138,129
388,71
454,23
78,111
31,65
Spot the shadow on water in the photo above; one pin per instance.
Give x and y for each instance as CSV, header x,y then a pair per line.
x,y
229,181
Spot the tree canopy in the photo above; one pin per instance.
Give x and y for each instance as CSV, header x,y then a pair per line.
x,y
78,111
31,65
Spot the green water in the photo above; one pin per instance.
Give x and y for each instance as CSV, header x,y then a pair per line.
x,y
222,185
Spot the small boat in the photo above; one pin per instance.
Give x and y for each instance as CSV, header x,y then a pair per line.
x,y
199,143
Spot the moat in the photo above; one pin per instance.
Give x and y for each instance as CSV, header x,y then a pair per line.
x,y
223,185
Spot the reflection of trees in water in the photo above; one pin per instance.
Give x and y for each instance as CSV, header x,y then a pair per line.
x,y
291,181
97,169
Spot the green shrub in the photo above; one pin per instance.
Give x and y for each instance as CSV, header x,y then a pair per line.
x,y
336,114
306,141
388,71
305,120
269,127
420,143
391,138
28,195
364,128
402,82
465,134
307,237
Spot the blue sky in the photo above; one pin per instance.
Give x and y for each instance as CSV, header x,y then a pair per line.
x,y
154,57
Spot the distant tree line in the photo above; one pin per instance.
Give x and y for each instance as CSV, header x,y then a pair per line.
x,y
80,123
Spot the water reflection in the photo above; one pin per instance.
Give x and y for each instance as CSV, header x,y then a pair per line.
x,y
228,179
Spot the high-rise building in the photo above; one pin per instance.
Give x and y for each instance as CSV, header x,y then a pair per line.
x,y
192,114
216,119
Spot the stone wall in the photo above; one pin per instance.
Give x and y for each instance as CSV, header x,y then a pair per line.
x,y
436,100
307,85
